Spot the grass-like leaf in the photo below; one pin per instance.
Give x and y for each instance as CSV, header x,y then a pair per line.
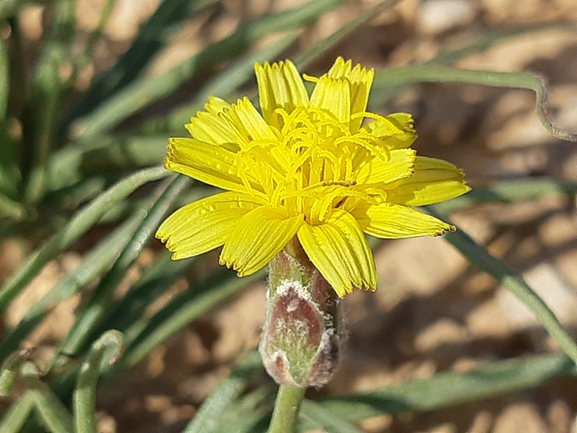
x,y
144,91
326,419
96,307
10,208
130,309
43,101
53,413
509,191
223,85
78,225
85,392
206,419
491,38
148,42
4,78
514,282
10,8
446,389
17,415
326,44
183,309
406,75
11,368
381,94
96,263
249,414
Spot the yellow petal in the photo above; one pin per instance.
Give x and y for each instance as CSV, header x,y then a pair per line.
x,y
392,221
208,163
396,130
361,80
340,252
259,236
209,126
400,165
215,105
341,68
279,86
334,96
434,181
250,123
204,224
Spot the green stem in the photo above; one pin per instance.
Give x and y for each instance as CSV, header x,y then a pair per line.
x,y
286,409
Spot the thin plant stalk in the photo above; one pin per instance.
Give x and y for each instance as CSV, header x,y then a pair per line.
x,y
286,409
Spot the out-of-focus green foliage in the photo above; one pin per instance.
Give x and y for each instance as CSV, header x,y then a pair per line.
x,y
92,163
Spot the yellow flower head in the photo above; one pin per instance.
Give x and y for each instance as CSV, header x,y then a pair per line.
x,y
318,167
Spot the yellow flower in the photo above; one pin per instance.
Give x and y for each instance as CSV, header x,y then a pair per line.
x,y
318,167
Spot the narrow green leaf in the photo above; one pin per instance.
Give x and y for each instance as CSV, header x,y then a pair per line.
x,y
96,34
81,193
226,82
151,38
183,309
328,420
144,91
9,174
73,164
10,80
405,75
122,153
154,282
11,368
326,44
11,209
444,390
78,173
98,261
99,302
129,310
127,313
4,79
18,413
43,101
218,402
250,414
512,281
85,392
482,42
51,410
491,37
10,8
78,225
509,191
223,85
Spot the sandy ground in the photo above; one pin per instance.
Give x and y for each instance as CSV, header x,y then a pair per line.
x,y
432,311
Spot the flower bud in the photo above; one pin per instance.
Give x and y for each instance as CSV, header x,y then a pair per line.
x,y
301,338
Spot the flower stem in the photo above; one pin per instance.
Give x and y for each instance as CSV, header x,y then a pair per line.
x,y
286,409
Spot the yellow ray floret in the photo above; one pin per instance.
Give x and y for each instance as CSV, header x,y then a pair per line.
x,y
317,167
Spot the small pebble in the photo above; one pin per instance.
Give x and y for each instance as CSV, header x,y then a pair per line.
x,y
438,16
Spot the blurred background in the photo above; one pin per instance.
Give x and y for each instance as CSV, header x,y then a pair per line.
x,y
432,312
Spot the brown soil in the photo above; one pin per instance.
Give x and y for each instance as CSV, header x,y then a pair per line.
x,y
432,311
